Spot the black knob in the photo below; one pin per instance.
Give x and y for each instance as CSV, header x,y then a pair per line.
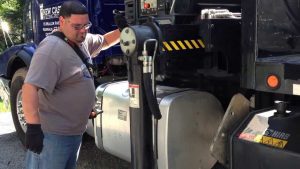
x,y
281,107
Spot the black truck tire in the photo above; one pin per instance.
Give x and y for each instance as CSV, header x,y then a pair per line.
x,y
16,104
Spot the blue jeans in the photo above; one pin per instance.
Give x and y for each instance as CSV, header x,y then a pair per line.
x,y
59,152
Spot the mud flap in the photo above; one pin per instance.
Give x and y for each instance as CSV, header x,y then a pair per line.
x,y
238,108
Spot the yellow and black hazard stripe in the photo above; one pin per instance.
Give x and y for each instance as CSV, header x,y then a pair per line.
x,y
183,45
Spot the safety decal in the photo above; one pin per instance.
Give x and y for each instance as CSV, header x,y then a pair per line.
x,y
183,45
134,96
274,142
296,89
247,136
268,137
122,115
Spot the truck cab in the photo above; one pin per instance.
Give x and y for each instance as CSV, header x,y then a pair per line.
x,y
243,54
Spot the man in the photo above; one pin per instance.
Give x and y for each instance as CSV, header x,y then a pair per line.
x,y
59,93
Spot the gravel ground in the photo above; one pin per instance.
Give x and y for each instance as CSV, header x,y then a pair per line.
x,y
12,153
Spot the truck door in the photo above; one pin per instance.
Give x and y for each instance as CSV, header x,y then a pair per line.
x,y
101,15
45,19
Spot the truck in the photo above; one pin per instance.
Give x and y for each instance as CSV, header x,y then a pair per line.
x,y
201,84
224,74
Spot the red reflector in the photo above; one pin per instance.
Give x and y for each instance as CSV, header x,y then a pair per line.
x,y
146,5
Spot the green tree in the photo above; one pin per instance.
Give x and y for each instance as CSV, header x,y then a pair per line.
x,y
11,11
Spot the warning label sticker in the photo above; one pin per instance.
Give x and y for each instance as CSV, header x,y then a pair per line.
x,y
296,89
259,131
274,142
134,96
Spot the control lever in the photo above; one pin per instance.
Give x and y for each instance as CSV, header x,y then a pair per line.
x,y
281,107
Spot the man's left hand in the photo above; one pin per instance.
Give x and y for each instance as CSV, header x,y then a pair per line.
x,y
93,115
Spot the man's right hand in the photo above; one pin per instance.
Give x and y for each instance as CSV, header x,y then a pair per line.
x,y
34,138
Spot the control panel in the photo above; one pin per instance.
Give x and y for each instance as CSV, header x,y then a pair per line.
x,y
148,7
154,7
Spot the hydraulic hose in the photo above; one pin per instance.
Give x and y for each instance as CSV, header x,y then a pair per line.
x,y
151,100
152,104
150,92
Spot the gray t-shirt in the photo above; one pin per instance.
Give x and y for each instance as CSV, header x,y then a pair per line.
x,y
67,92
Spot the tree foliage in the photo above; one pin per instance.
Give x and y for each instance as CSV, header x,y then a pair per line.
x,y
11,11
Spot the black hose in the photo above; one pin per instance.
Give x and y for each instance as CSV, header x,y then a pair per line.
x,y
151,100
154,109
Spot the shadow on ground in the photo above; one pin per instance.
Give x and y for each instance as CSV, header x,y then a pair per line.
x,y
92,158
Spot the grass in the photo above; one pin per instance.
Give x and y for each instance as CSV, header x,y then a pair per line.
x,y
2,107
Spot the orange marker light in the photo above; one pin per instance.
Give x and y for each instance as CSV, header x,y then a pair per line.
x,y
273,81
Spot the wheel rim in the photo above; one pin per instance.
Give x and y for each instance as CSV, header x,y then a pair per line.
x,y
20,111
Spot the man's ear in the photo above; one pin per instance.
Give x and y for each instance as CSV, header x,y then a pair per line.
x,y
61,20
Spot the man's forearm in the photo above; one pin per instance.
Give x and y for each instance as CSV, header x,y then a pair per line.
x,y
30,102
111,39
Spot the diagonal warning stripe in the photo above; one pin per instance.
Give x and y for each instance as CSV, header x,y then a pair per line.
x,y
167,46
181,45
195,44
174,45
201,43
188,44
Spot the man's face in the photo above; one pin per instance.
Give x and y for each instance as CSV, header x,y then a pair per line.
x,y
75,27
